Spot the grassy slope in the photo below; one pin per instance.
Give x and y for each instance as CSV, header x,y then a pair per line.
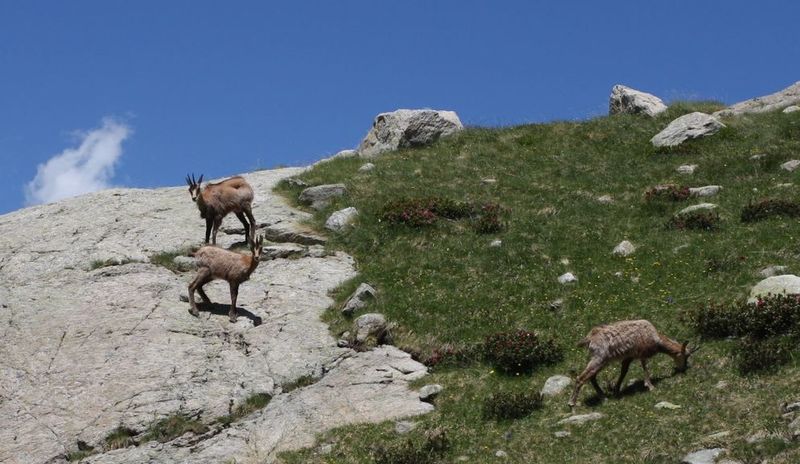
x,y
443,284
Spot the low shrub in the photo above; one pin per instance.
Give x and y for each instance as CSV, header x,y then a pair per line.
x,y
451,355
697,220
768,317
752,355
173,427
714,320
421,212
770,207
428,450
667,192
251,404
488,219
121,437
511,405
520,351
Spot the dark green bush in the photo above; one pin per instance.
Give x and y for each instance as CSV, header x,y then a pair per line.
x,y
419,212
520,351
714,320
697,220
511,405
752,355
768,317
770,207
667,192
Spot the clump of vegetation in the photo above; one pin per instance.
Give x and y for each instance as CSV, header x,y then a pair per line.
x,y
121,437
428,450
520,351
488,220
167,258
752,355
511,405
696,220
300,382
173,427
768,208
421,212
449,354
250,405
667,192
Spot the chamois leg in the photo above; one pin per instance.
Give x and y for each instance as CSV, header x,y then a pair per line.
x,y
234,294
209,224
249,213
243,220
647,382
217,223
203,276
590,373
622,373
202,293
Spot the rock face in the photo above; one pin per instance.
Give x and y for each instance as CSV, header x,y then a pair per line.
x,y
787,284
687,127
321,196
778,100
407,128
627,100
340,220
117,346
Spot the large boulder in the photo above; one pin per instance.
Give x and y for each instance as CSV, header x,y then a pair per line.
x,y
687,127
320,196
340,220
407,128
627,100
787,284
778,100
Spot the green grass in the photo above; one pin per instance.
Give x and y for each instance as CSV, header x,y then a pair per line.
x,y
120,437
166,258
252,404
173,427
445,286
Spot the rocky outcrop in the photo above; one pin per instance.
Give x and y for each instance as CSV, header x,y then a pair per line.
x,y
687,127
407,128
88,346
627,100
776,101
320,196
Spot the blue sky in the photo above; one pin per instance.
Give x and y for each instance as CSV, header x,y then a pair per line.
x,y
160,89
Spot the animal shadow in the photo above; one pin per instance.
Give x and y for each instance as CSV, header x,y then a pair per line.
x,y
220,309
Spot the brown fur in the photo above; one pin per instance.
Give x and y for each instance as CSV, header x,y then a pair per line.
x,y
626,341
215,201
218,263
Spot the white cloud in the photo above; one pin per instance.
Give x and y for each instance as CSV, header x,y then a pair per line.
x,y
87,168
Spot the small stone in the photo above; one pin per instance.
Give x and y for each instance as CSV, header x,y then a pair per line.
x,y
462,458
686,168
366,167
581,418
429,392
721,385
792,407
369,324
784,185
340,220
704,456
758,157
624,248
700,207
790,165
718,435
556,305
770,271
403,427
495,243
501,454
489,180
567,278
555,385
359,298
326,449
618,274
791,109
562,434
707,191
316,251
343,343
295,182
605,200
666,405
184,297
759,436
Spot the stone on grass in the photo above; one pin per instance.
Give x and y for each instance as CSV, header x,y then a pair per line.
x,y
495,243
790,165
555,385
501,454
359,298
321,196
605,199
407,128
624,248
696,208
791,109
686,168
787,284
403,427
703,456
340,220
718,435
784,185
580,419
666,405
773,270
781,99
184,263
758,157
429,392
562,434
687,127
706,191
627,100
366,167
370,324
567,278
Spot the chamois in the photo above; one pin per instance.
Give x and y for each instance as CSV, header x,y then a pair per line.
x,y
215,201
626,341
218,263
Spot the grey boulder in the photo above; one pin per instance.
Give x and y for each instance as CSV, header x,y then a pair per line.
x,y
687,127
787,284
321,196
340,220
627,100
781,99
359,298
407,128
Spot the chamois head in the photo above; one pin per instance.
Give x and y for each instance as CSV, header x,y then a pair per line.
x,y
194,186
256,248
682,358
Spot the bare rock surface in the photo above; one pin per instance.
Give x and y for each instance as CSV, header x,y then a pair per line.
x,y
87,350
627,100
407,128
687,127
776,101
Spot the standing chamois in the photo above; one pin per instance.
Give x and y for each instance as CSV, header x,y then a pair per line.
x,y
218,263
215,201
626,341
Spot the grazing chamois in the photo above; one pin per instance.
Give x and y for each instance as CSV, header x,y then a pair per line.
x,y
215,201
218,263
626,341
